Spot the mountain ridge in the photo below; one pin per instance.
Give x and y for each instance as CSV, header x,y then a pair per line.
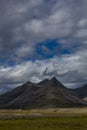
x,y
82,91
46,94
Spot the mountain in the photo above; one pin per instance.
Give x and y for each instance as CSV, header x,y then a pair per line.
x,y
46,94
82,91
11,95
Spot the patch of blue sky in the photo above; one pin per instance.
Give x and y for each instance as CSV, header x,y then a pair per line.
x,y
7,62
53,47
2,61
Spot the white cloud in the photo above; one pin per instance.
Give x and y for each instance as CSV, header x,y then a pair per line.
x,y
70,69
24,51
82,23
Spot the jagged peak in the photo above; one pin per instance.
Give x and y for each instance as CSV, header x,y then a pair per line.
x,y
43,82
54,79
55,82
27,83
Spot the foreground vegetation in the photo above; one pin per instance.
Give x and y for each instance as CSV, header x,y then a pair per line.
x,y
53,119
46,123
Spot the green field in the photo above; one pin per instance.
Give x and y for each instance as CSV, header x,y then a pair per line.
x,y
61,119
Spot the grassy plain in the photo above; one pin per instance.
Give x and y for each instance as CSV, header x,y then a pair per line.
x,y
44,119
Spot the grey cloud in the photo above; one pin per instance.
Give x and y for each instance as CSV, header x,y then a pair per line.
x,y
25,23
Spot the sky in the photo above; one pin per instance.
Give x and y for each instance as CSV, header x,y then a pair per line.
x,y
40,39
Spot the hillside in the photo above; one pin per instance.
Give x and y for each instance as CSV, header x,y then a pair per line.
x,y
82,91
46,94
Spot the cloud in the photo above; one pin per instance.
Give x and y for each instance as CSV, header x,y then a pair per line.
x,y
70,70
26,24
81,33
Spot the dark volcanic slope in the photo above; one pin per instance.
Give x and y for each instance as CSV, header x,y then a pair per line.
x,y
46,94
11,95
82,92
